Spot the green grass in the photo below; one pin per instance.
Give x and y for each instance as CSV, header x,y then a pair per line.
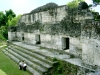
x,y
2,42
8,67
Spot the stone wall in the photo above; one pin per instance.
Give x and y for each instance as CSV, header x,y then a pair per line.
x,y
56,25
90,42
50,16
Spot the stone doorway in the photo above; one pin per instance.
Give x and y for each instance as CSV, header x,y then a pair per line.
x,y
37,39
65,43
22,36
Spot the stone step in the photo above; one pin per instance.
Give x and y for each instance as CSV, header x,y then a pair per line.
x,y
59,53
31,58
37,54
54,54
35,49
48,52
11,56
34,72
34,66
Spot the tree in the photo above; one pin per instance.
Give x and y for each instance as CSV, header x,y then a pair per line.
x,y
3,31
7,19
9,14
11,22
83,5
74,3
96,1
2,18
14,21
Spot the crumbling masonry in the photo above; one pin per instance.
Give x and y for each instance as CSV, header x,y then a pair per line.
x,y
61,28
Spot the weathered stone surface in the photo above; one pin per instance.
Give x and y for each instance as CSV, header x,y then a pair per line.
x,y
52,26
46,7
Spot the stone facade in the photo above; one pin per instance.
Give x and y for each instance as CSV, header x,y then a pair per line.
x,y
61,28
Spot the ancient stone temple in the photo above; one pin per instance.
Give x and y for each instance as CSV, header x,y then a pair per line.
x,y
58,27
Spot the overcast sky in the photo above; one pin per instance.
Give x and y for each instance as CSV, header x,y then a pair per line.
x,y
25,6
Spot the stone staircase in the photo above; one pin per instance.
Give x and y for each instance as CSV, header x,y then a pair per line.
x,y
38,63
40,59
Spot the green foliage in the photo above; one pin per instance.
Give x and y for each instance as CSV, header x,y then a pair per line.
x,y
96,15
14,21
2,18
10,14
74,3
3,33
83,5
2,38
96,1
63,68
7,19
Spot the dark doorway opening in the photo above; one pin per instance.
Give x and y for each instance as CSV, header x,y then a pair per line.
x,y
65,43
15,36
37,39
22,37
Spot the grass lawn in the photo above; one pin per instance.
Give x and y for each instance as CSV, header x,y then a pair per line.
x,y
2,42
8,67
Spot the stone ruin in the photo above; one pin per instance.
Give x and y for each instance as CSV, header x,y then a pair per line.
x,y
59,27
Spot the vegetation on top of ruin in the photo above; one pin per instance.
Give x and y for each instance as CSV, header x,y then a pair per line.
x,y
96,15
96,2
80,4
83,5
48,6
74,3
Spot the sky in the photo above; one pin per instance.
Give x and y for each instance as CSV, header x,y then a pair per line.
x,y
25,6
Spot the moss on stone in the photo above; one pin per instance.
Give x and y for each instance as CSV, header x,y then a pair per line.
x,y
62,68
